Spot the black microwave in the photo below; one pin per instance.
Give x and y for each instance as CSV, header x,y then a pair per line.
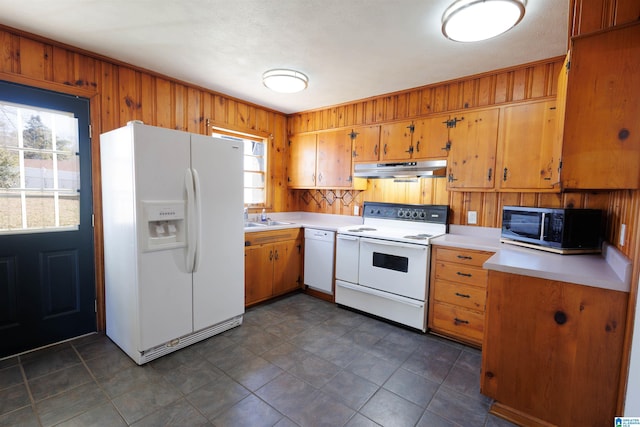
x,y
565,231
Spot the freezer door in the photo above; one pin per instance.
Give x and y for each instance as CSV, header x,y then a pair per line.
x,y
164,286
218,278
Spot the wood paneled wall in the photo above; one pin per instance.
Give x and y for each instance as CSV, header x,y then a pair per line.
x,y
120,93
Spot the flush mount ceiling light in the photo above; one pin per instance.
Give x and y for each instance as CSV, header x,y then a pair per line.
x,y
475,20
285,81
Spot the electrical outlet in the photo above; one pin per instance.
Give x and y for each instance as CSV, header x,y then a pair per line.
x,y
623,229
356,210
472,217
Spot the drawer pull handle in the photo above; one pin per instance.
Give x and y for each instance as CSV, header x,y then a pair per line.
x,y
463,274
458,294
464,257
460,321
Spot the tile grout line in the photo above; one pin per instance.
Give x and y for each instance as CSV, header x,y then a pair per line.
x,y
28,387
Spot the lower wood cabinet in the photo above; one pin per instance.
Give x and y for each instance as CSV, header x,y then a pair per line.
x,y
272,264
457,293
552,351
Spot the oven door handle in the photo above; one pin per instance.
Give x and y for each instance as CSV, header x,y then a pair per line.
x,y
393,244
386,295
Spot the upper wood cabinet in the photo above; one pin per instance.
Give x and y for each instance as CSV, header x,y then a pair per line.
x,y
395,141
473,138
431,138
601,140
333,164
302,161
528,148
419,139
366,144
322,160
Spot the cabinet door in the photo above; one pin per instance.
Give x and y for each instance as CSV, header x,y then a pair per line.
x,y
395,141
430,138
601,143
302,161
258,273
366,144
530,151
334,160
553,350
287,266
472,159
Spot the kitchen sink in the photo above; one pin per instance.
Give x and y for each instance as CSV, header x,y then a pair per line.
x,y
278,223
254,224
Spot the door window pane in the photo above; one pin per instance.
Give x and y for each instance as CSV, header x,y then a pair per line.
x,y
39,170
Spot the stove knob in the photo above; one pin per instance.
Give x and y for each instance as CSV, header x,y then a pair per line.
x,y
422,214
415,214
378,212
400,214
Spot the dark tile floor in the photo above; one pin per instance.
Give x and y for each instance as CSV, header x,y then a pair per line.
x,y
296,361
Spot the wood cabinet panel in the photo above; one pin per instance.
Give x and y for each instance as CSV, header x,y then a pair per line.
x,y
273,264
366,143
302,161
601,136
472,159
286,267
430,138
333,162
529,150
395,141
258,273
552,350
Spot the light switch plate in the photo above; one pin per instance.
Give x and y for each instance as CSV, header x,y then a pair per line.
x,y
472,217
623,229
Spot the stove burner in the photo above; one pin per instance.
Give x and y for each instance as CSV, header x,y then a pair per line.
x,y
418,236
363,229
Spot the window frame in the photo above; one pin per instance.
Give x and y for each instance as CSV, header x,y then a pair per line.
x,y
222,132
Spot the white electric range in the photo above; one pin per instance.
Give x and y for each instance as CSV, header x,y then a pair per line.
x,y
382,266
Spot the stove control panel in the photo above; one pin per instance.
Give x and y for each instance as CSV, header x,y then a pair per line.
x,y
404,212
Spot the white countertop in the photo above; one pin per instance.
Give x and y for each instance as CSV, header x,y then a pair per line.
x,y
609,270
328,222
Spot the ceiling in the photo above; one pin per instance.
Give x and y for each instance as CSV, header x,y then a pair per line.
x,y
350,49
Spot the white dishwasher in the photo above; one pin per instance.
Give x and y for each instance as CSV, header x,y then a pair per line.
x,y
318,259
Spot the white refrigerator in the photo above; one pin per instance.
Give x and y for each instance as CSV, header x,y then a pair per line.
x,y
172,207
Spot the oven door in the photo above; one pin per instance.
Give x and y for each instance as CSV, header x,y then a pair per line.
x,y
347,257
398,268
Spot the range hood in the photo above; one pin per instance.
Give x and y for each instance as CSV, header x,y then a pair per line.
x,y
420,169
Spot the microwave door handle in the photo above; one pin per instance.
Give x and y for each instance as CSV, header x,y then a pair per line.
x,y
542,226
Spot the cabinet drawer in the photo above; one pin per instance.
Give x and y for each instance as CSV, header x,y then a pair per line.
x,y
462,256
461,295
458,321
261,237
461,273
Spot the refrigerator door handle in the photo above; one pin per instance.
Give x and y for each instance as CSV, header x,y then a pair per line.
x,y
191,221
198,219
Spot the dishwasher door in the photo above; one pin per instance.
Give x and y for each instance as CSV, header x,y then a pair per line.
x,y
318,259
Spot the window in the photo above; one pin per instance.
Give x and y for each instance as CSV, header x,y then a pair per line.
x,y
39,169
255,167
